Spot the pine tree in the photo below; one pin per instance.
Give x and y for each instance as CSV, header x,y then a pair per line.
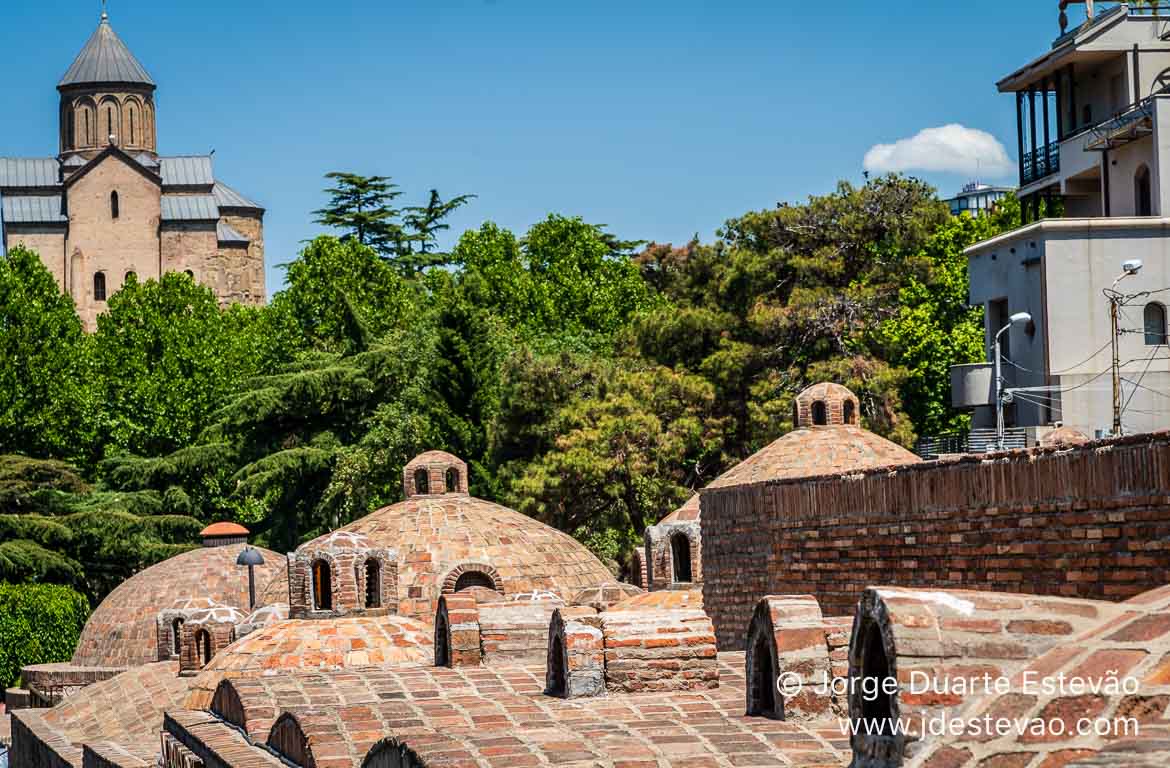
x,y
362,207
423,223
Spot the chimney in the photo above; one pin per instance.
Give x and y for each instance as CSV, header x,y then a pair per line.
x,y
224,534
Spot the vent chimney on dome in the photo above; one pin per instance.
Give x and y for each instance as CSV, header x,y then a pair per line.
x,y
224,534
826,405
434,473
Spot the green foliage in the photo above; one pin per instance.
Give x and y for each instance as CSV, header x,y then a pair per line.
x,y
46,402
361,206
39,624
167,359
424,222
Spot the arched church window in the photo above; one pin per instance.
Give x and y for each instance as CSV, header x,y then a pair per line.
x,y
110,122
1154,316
114,209
99,286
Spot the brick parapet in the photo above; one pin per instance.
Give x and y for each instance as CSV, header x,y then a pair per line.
x,y
1089,522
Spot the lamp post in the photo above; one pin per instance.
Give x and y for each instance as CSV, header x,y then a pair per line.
x,y
251,558
1019,317
1131,267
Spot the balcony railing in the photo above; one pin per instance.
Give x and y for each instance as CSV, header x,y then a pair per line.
x,y
1041,163
972,441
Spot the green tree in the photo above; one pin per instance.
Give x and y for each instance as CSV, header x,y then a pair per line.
x,y
423,223
166,362
46,401
39,624
362,207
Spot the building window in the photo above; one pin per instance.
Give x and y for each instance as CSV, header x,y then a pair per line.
x,y
99,286
203,647
1087,115
1142,203
114,211
680,554
422,482
110,119
176,633
452,480
322,587
819,416
1155,322
849,413
373,584
88,130
132,126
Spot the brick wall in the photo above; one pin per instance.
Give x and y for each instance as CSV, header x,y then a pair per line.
x,y
1090,522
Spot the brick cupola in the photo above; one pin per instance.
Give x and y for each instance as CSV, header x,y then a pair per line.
x,y
826,405
434,473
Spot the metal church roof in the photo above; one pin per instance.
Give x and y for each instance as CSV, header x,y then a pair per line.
x,y
105,59
226,233
29,172
186,171
189,208
227,197
32,209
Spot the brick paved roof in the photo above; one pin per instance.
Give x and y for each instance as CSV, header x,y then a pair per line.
x,y
296,645
122,631
663,600
498,716
684,514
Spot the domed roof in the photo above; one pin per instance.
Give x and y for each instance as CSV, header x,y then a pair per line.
x,y
1063,437
449,538
687,513
810,451
105,59
297,645
224,529
122,631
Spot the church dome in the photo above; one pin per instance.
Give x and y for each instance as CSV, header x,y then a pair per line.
x,y
123,630
443,540
105,59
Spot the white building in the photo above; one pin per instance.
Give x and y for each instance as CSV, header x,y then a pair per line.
x,y
1094,130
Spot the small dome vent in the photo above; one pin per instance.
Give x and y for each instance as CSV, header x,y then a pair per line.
x,y
826,405
434,473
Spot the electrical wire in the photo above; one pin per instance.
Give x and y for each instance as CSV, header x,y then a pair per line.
x,y
1141,376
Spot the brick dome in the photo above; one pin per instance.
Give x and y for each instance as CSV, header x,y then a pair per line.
x,y
452,541
122,631
810,451
303,645
1063,437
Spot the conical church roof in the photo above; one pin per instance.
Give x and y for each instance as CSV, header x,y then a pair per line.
x,y
105,59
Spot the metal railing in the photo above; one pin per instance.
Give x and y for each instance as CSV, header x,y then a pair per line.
x,y
970,441
1040,163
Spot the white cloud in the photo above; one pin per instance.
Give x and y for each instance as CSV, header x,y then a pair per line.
x,y
951,148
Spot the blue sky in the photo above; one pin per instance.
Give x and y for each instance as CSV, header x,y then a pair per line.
x,y
659,119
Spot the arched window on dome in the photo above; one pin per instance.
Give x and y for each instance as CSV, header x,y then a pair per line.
x,y
422,482
373,583
203,647
99,286
114,209
452,480
176,634
820,416
322,586
762,681
849,413
471,579
680,556
1154,316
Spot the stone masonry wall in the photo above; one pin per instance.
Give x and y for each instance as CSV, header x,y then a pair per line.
x,y
1090,522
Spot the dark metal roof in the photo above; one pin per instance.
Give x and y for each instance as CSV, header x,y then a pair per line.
x,y
105,59
29,172
226,197
189,208
228,234
187,171
32,209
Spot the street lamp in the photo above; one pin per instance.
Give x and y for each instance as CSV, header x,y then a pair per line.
x,y
251,558
1128,268
1019,317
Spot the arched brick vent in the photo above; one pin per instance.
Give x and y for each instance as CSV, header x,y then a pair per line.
x,y
392,753
457,635
468,575
763,699
322,586
872,658
680,555
289,741
226,703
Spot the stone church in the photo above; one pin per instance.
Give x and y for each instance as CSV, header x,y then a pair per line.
x,y
109,207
